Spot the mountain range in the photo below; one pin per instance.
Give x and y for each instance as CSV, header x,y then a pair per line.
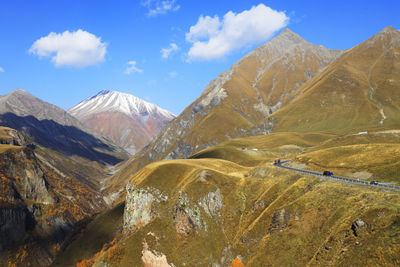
x,y
52,127
204,191
288,84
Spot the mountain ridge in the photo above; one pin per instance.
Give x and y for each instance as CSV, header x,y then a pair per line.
x,y
357,91
237,102
52,127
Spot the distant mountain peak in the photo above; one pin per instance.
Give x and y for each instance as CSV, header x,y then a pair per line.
x,y
387,37
102,92
287,43
20,91
289,35
128,120
106,101
390,29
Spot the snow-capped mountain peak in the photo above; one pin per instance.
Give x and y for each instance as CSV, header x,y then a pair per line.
x,y
128,120
109,101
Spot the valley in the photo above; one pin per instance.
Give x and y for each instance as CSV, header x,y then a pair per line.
x,y
229,201
118,181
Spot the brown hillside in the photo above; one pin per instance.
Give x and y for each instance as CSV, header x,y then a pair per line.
x,y
237,102
358,91
210,210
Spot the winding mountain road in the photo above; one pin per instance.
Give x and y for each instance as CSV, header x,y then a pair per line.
x,y
333,177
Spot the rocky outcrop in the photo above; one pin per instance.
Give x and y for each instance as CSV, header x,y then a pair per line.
x,y
140,207
212,203
187,215
13,137
29,178
358,226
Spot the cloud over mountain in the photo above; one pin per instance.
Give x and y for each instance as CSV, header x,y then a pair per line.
x,y
75,49
214,38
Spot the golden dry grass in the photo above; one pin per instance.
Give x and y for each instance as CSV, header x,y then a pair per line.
x,y
3,132
270,216
5,148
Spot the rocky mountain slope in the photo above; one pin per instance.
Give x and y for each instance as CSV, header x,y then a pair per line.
x,y
237,102
360,90
357,90
52,127
230,205
129,121
42,197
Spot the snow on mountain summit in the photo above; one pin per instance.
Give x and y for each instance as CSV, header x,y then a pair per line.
x,y
108,101
128,120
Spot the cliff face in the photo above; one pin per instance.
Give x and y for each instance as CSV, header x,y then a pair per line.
x,y
38,201
30,183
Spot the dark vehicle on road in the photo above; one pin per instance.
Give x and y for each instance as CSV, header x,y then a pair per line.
x,y
373,182
277,161
327,173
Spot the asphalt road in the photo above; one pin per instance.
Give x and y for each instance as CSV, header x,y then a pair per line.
x,y
333,177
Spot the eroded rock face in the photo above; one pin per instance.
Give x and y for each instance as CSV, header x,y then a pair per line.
x,y
183,224
140,205
30,178
188,216
212,203
16,138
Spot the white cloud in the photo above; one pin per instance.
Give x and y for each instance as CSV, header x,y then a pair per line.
x,y
1,69
205,28
132,68
173,74
165,52
213,38
76,49
160,7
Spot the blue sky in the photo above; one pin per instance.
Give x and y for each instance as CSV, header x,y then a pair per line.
x,y
120,32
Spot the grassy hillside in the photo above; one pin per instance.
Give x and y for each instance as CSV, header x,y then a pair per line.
x,y
375,156
358,91
229,201
237,102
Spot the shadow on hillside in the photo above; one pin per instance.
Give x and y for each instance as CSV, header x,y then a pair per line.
x,y
68,140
